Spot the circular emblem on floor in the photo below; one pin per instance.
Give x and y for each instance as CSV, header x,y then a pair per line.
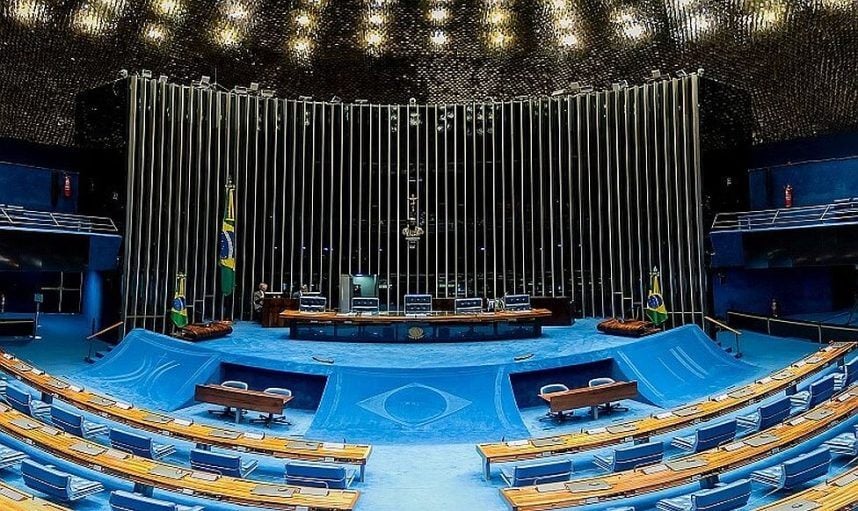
x,y
415,333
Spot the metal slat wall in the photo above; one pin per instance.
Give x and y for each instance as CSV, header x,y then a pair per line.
x,y
577,196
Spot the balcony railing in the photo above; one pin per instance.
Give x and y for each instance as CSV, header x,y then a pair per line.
x,y
840,212
16,217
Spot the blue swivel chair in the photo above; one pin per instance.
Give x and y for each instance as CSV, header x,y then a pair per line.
x,y
548,389
233,384
127,501
796,471
52,482
847,376
270,419
631,457
139,445
844,444
74,423
607,407
23,402
817,393
538,473
221,463
707,437
319,475
721,498
766,416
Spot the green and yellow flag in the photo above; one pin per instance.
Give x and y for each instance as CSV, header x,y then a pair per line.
x,y
655,308
178,312
227,244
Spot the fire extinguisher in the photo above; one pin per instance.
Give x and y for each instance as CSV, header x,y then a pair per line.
x,y
67,192
776,308
788,196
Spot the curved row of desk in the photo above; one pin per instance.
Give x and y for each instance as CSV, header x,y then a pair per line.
x,y
835,494
185,429
686,469
13,499
679,418
156,474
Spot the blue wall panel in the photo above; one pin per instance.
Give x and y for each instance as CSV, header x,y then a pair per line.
x,y
798,290
36,188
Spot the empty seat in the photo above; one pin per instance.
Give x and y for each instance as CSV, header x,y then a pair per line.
x,y
10,457
548,389
767,415
139,445
538,473
221,463
707,437
817,393
319,475
127,501
721,498
607,407
270,419
847,376
22,401
75,424
845,444
796,471
232,384
631,457
57,484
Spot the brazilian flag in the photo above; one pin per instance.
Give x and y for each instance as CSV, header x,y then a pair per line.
x,y
655,308
227,244
178,312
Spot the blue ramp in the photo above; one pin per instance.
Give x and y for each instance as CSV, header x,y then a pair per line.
x,y
152,370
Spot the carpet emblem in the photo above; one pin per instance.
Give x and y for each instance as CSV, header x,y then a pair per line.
x,y
414,404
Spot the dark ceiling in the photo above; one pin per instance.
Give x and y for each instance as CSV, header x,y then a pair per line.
x,y
796,58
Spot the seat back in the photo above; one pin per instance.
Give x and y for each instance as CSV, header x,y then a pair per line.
x,y
67,421
851,372
554,471
316,475
235,384
628,458
516,302
127,501
418,304
218,463
138,445
806,467
715,435
774,412
468,305
46,480
553,387
596,382
365,304
18,399
821,391
723,498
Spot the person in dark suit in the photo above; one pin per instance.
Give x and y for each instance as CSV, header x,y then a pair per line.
x,y
258,298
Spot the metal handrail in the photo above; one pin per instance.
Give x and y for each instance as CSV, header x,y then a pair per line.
x,y
735,332
843,211
20,217
819,326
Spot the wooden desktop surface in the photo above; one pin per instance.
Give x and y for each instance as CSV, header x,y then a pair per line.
x,y
442,317
185,429
170,477
679,471
590,396
254,400
835,494
726,402
13,499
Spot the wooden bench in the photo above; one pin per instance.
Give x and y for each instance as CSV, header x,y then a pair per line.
x,y
591,397
239,399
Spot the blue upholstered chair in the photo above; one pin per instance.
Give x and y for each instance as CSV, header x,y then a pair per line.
x,y
607,407
74,423
319,475
270,419
232,384
631,457
847,376
796,471
127,501
721,498
139,445
221,463
707,437
52,482
10,457
767,415
538,473
817,393
22,401
548,389
844,444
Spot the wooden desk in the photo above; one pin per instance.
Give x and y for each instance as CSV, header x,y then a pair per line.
x,y
186,429
272,306
156,474
643,428
835,494
590,396
680,471
13,499
239,399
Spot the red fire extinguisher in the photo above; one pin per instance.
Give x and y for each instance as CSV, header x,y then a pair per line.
x,y
788,196
67,192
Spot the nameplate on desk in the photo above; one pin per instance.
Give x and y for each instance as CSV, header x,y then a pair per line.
x,y
25,424
546,442
759,440
38,372
334,446
621,428
685,412
57,384
741,393
765,380
168,472
100,401
183,422
654,469
205,476
518,443
720,398
844,397
303,445
596,431
157,419
585,486
48,430
783,375
818,415
124,406
664,415
314,492
686,464
76,388
117,455
267,490
733,447
21,367
8,356
11,494
846,480
814,360
797,505
550,487
796,421
254,436
88,449
222,433
800,363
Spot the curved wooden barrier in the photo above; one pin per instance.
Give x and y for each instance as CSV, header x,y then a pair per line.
x,y
186,429
13,499
169,477
643,428
686,469
836,494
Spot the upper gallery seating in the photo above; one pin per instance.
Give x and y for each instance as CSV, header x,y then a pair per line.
x,y
185,429
644,428
704,465
155,474
835,494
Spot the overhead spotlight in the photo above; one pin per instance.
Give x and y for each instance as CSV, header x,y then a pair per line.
x,y
569,40
146,73
301,46
303,19
376,18
237,11
438,38
374,38
499,39
154,32
227,35
438,14
167,7
29,11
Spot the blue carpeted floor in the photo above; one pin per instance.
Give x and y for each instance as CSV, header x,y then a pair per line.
x,y
421,462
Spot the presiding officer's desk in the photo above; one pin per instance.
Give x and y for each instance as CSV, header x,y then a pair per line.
x,y
590,397
839,492
185,429
240,399
644,428
13,499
